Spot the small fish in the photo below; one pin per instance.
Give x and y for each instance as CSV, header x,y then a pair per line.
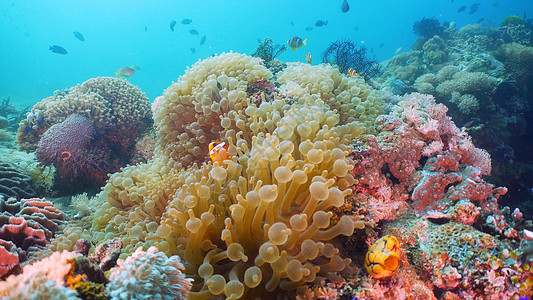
x,y
58,49
193,32
172,24
218,151
79,36
495,4
193,50
309,58
473,8
308,28
461,9
202,41
398,51
381,45
126,71
321,23
186,21
356,28
292,23
480,20
344,6
352,72
296,43
145,28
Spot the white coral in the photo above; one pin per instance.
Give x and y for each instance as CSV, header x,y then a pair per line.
x,y
148,275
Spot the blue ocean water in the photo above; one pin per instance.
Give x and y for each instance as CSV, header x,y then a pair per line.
x,y
115,35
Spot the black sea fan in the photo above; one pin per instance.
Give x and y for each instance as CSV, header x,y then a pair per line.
x,y
428,27
347,55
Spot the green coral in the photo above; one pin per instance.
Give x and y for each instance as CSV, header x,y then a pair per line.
x,y
512,20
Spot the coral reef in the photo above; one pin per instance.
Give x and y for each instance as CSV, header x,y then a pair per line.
x,y
87,131
244,229
428,28
268,51
147,274
15,183
26,226
346,55
483,75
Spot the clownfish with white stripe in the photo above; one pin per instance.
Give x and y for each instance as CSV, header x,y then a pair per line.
x,y
218,151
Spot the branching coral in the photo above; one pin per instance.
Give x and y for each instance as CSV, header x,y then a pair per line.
x,y
261,222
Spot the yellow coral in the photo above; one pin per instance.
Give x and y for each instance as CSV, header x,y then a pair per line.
x,y
383,257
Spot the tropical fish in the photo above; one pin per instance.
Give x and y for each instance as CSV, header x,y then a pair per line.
x,y
344,6
398,51
172,24
473,8
296,43
321,23
126,71
193,50
352,72
186,21
202,41
218,151
79,36
461,9
309,58
58,49
308,28
193,32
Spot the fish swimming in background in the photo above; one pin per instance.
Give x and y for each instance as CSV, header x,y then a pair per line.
x,y
480,20
356,28
202,41
381,45
172,24
193,32
126,71
193,50
473,8
145,28
309,58
495,4
352,72
296,43
79,36
308,28
398,51
218,151
344,6
58,49
186,21
321,23
461,9
292,23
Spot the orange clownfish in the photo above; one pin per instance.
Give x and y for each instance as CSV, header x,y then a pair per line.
x,y
353,72
218,151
